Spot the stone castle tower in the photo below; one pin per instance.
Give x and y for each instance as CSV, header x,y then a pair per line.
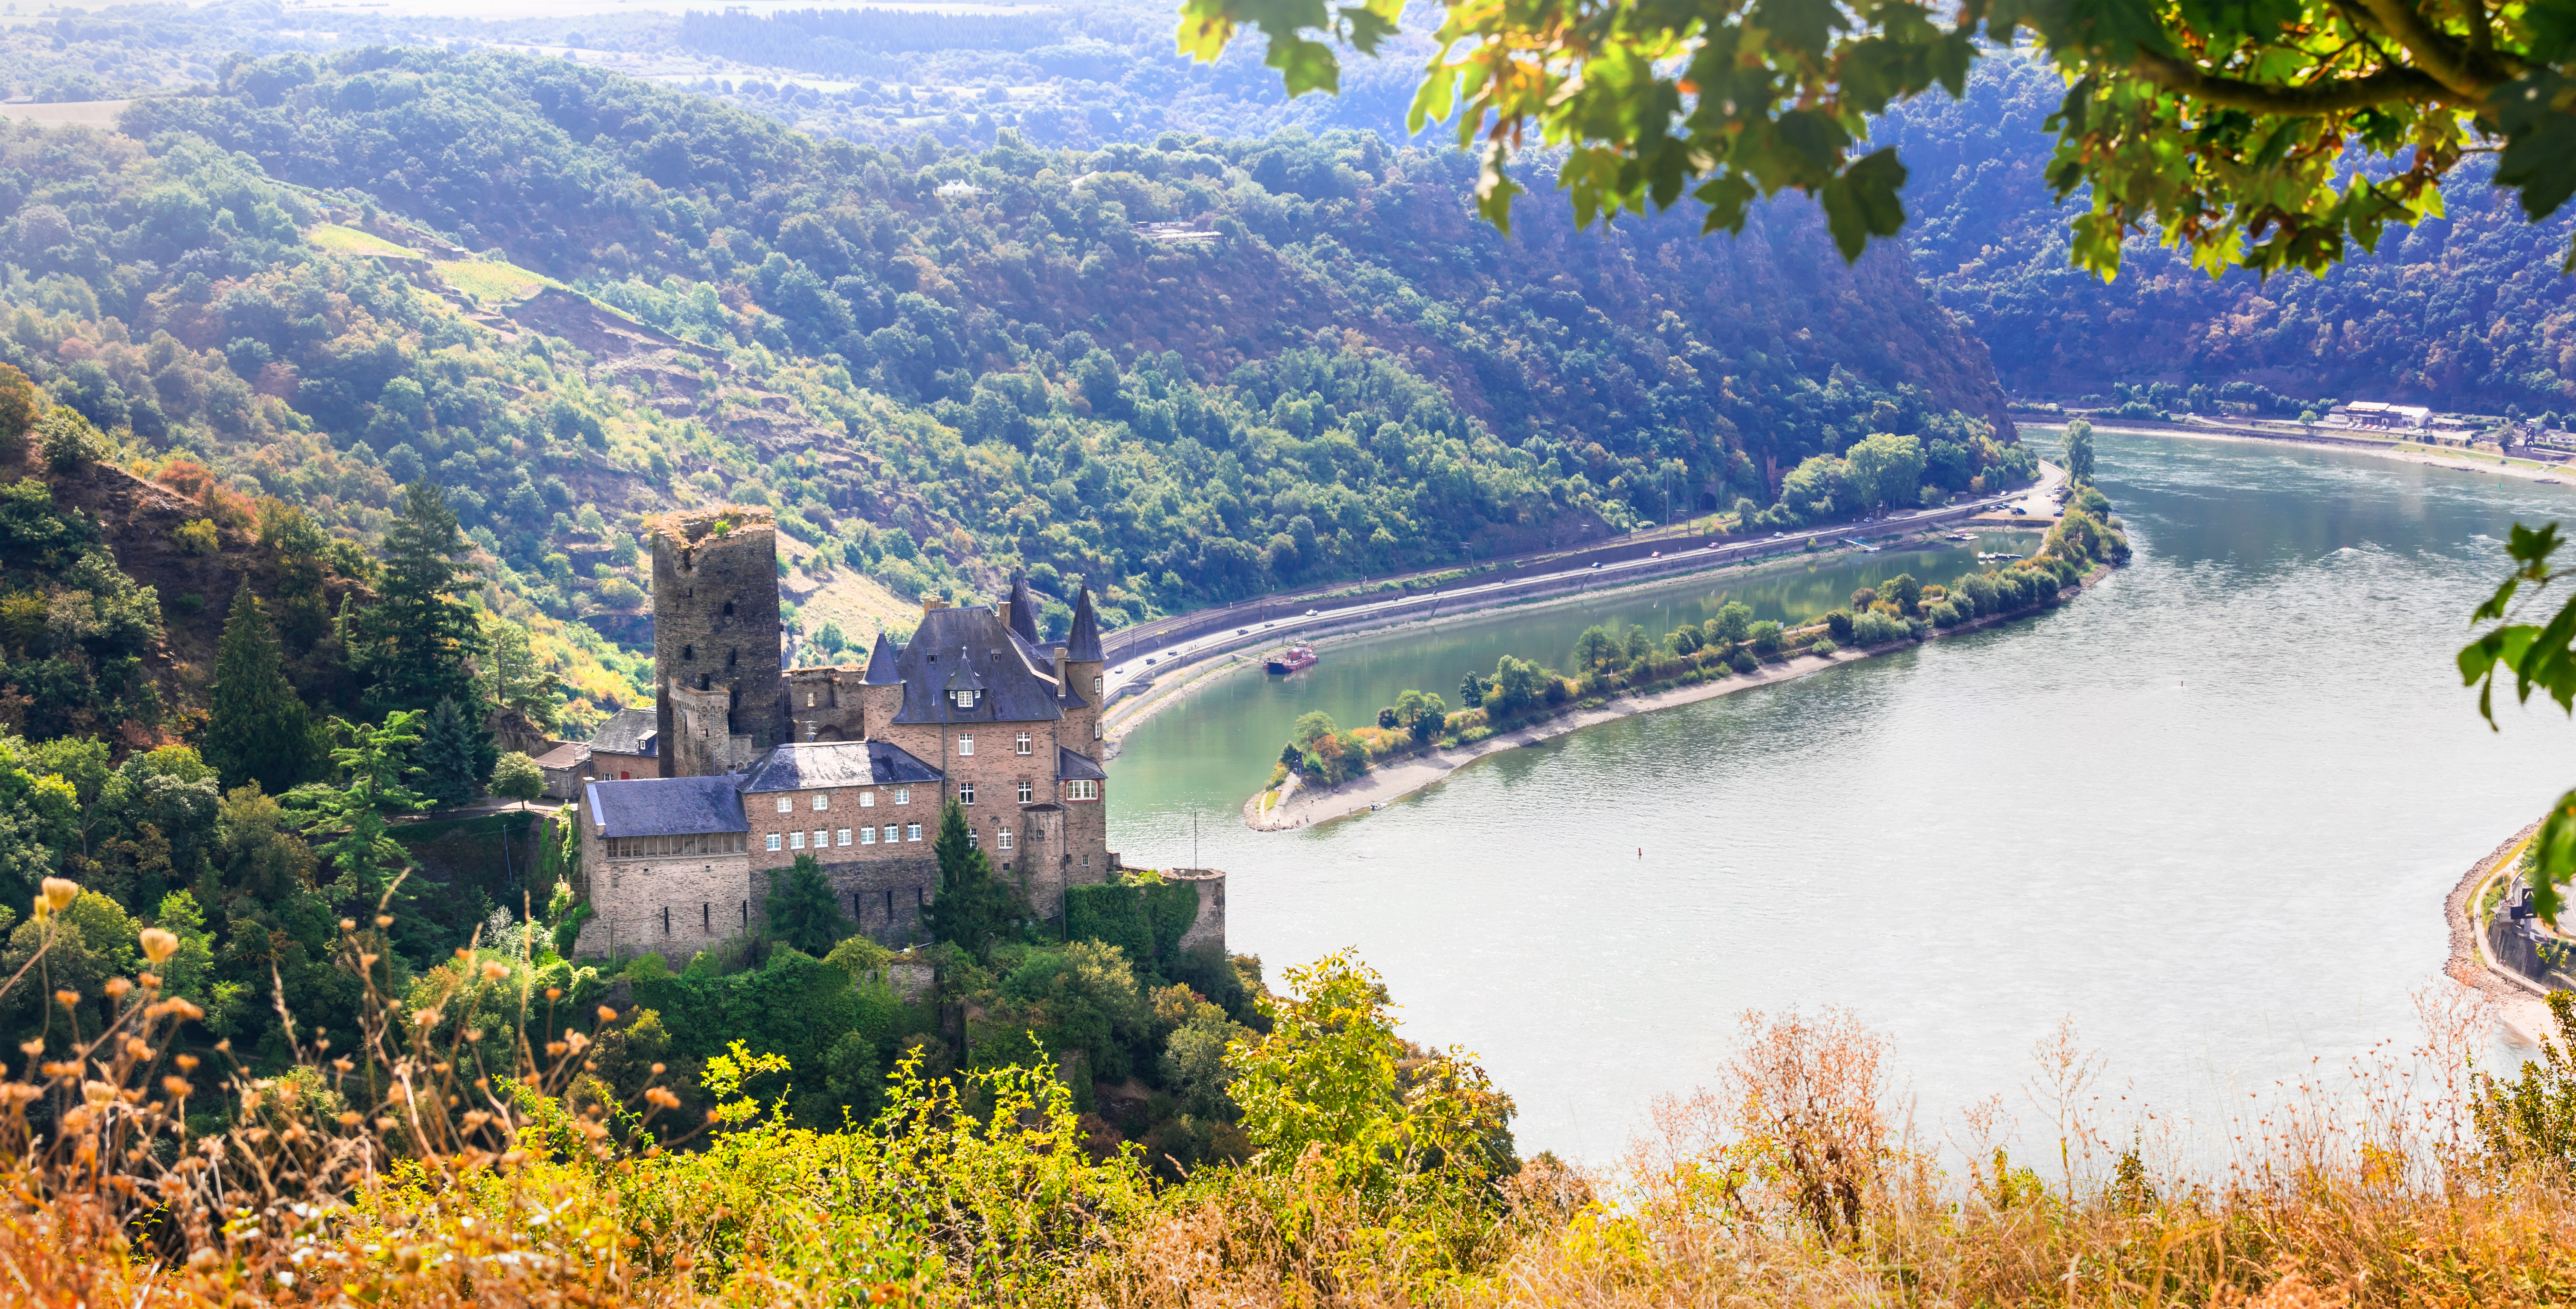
x,y
716,639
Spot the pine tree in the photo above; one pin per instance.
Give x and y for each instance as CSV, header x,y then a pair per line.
x,y
801,909
446,756
259,731
972,907
421,639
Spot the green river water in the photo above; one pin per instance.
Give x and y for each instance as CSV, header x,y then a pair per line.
x,y
2209,810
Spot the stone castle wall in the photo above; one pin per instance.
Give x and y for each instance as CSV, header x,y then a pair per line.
x,y
716,629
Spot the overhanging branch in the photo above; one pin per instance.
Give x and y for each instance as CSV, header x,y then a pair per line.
x,y
2339,95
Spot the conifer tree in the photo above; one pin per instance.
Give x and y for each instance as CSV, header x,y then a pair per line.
x,y
972,907
446,756
802,911
422,640
258,731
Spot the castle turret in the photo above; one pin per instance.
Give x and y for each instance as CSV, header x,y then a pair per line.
x,y
1082,673
881,691
1023,612
716,638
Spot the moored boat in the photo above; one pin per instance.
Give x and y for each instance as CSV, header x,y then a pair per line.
x,y
1294,659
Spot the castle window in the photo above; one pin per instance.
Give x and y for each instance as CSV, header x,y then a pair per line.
x,y
1096,684
893,833
1082,788
809,699
1028,792
965,746
822,839
842,837
688,652
867,836
912,831
786,804
1024,743
728,612
706,682
773,840
733,658
963,699
1002,839
867,799
822,801
903,795
965,793
795,840
974,839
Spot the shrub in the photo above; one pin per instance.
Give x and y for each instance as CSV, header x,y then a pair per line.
x,y
1875,628
1942,613
196,537
1822,646
1743,661
1766,638
1839,622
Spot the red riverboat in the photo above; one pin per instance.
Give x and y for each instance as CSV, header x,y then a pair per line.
x,y
1294,659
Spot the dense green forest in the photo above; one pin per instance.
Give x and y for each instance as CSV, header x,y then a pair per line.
x,y
975,361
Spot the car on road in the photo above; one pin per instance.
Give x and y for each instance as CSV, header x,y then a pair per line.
x,y
1711,546
1777,535
1149,663
1241,630
1310,613
1656,555
2020,510
1119,669
1594,564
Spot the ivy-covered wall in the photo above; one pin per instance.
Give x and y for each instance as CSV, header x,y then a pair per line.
x,y
1146,918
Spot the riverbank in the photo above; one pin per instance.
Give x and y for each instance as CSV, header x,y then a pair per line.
x,y
1404,775
2398,451
1126,715
2517,1000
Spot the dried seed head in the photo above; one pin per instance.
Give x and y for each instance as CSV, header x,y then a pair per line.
x,y
159,945
59,894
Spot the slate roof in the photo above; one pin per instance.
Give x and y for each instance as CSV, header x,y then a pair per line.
x,y
1015,690
667,806
628,731
1083,644
815,765
1072,766
882,663
1024,611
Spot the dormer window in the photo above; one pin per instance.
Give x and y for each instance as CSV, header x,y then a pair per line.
x,y
963,699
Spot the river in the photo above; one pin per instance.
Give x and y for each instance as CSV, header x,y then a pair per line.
x,y
2209,811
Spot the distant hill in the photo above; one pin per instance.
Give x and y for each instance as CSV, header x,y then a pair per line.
x,y
2466,311
980,360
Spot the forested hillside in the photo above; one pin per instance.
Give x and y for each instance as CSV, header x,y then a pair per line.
x,y
2466,311
940,364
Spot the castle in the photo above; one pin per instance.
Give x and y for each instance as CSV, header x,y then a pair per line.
x,y
742,765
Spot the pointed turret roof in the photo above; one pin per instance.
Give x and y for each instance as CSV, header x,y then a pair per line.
x,y
881,660
1024,611
1083,646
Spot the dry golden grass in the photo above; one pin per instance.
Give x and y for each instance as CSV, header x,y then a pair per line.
x,y
429,1163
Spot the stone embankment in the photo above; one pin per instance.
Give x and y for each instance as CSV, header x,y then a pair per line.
x,y
1405,774
2517,999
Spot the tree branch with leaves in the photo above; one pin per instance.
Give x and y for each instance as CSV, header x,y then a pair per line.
x,y
2273,135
